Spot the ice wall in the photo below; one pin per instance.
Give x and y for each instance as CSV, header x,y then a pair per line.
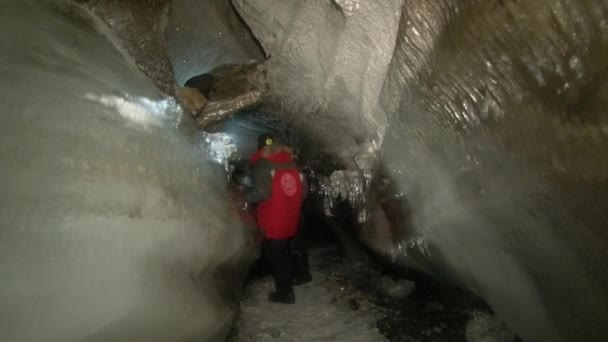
x,y
490,114
327,67
497,143
202,35
493,155
138,27
115,223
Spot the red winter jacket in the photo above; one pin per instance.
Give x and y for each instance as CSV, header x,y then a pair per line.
x,y
278,188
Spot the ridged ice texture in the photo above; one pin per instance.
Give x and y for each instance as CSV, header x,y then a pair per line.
x,y
496,139
327,68
139,27
115,222
202,35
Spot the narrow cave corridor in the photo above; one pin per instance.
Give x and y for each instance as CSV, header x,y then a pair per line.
x,y
355,294
454,152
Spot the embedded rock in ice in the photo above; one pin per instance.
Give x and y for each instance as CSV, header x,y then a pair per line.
x,y
116,223
231,80
231,88
191,99
138,30
218,110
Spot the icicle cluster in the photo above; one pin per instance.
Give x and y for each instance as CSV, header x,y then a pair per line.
x,y
220,147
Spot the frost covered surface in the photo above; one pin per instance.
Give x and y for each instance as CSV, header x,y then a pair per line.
x,y
355,301
348,6
314,318
138,26
326,68
484,327
495,139
202,35
142,111
220,145
317,315
496,143
115,222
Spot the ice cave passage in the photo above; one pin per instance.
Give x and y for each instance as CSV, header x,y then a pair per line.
x,y
458,150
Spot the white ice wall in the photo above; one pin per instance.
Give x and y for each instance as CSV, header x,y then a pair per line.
x,y
327,68
202,35
114,223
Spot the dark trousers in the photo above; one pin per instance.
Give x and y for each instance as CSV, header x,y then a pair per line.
x,y
278,255
300,268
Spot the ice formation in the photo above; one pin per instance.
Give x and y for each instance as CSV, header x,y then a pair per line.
x,y
141,111
487,117
202,35
493,133
348,6
116,225
220,145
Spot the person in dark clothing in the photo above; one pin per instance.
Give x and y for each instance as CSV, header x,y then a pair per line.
x,y
278,189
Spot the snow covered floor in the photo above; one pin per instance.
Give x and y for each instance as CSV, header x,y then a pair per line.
x,y
321,313
359,302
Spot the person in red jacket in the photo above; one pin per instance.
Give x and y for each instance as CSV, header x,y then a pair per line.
x,y
278,189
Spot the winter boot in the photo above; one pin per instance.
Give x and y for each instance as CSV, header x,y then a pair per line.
x,y
288,298
301,279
